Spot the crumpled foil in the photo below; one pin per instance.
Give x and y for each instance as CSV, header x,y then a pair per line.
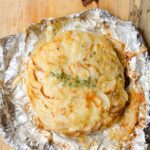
x,y
16,115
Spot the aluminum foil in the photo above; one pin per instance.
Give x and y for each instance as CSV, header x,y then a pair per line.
x,y
17,119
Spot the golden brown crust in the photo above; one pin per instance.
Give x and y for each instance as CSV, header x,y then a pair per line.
x,y
129,118
76,84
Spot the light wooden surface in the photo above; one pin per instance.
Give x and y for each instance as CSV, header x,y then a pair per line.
x,y
3,145
16,15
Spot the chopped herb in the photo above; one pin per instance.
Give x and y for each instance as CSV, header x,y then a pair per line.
x,y
74,82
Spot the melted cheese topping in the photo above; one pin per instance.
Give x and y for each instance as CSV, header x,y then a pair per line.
x,y
75,82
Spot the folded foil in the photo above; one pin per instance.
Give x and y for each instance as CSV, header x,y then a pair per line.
x,y
17,119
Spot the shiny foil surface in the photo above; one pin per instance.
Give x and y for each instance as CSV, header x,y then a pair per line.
x,y
17,119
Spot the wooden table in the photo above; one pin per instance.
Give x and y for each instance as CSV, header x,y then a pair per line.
x,y
16,15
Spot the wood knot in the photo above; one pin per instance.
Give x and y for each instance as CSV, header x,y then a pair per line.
x,y
87,2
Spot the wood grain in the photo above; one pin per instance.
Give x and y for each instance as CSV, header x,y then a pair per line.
x,y
137,11
144,21
16,15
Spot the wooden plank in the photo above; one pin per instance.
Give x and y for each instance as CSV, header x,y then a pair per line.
x,y
119,8
123,7
144,21
3,145
135,11
16,15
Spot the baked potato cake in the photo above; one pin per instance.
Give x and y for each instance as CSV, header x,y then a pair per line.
x,y
75,82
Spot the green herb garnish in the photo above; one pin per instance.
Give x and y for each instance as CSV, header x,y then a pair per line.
x,y
70,81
